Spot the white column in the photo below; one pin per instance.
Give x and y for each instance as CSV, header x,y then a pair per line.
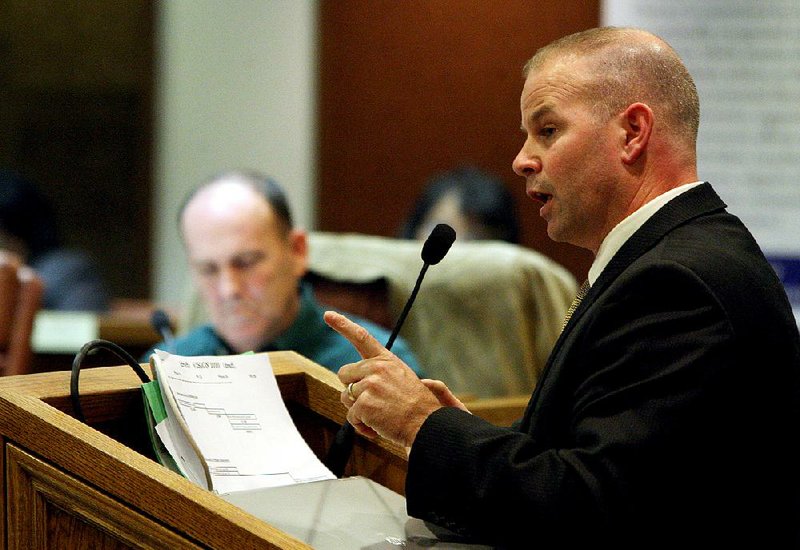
x,y
235,88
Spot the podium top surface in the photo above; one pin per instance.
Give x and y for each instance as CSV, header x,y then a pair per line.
x,y
353,512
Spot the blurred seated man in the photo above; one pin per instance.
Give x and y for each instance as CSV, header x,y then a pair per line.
x,y
477,205
72,280
247,261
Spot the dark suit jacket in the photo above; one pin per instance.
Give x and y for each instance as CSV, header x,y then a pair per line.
x,y
667,415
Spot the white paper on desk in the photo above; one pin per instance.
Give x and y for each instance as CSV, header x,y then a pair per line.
x,y
236,415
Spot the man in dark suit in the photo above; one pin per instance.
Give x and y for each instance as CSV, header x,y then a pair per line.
x,y
668,414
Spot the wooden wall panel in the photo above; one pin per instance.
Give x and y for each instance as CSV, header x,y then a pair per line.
x,y
76,92
408,89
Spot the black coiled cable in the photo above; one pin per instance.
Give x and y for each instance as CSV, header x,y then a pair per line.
x,y
87,348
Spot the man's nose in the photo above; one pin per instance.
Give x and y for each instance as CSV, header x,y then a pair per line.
x,y
526,164
229,284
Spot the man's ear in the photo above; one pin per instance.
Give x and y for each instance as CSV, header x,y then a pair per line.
x,y
637,121
298,240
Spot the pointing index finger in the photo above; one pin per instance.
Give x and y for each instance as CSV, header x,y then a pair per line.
x,y
366,345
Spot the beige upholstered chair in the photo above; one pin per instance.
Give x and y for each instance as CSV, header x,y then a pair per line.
x,y
20,297
486,317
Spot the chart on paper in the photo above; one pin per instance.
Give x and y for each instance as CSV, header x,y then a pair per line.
x,y
233,409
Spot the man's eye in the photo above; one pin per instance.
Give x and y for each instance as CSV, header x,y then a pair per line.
x,y
547,131
241,263
248,261
207,271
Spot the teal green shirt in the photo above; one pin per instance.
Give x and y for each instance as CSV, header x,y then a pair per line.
x,y
308,335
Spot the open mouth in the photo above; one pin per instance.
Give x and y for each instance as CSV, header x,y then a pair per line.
x,y
541,197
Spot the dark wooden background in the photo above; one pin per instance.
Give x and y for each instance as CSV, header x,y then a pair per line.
x,y
406,89
76,103
412,88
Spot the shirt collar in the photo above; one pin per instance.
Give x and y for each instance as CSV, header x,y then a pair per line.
x,y
627,227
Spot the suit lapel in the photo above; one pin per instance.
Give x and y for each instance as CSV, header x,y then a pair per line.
x,y
696,202
685,207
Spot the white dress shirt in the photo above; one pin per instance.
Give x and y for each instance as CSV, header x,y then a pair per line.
x,y
627,227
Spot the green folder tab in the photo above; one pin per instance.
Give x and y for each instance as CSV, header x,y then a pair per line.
x,y
154,413
152,393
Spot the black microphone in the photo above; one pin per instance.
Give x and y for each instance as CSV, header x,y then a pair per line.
x,y
160,322
438,243
436,246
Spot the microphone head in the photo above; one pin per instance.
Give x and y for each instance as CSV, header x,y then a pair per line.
x,y
160,321
438,243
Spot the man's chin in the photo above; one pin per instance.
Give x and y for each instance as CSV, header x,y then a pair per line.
x,y
241,346
554,234
238,339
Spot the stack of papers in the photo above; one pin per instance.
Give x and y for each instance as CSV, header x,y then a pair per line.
x,y
221,422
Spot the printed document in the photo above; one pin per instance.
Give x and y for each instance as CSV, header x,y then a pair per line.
x,y
227,426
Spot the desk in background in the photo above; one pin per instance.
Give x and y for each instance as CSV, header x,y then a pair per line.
x,y
59,335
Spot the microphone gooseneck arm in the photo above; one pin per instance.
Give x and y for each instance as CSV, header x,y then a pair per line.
x,y
407,308
436,246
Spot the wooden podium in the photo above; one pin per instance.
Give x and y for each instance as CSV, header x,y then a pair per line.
x,y
73,485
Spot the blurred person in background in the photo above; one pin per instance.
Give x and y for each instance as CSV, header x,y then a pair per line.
x,y
28,230
474,203
248,262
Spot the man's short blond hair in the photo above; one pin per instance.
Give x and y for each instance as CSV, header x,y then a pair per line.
x,y
631,65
